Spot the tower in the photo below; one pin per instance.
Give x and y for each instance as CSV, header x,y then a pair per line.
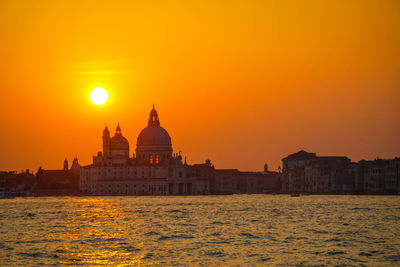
x,y
265,167
65,164
106,142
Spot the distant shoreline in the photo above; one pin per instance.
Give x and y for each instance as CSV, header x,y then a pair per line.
x,y
301,195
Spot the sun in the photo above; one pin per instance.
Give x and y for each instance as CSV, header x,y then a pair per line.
x,y
99,96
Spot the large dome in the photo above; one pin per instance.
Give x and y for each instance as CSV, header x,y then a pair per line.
x,y
153,136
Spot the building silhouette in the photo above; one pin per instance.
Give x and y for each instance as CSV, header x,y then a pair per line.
x,y
305,172
58,182
153,170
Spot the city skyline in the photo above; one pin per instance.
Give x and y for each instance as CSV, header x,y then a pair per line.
x,y
131,152
211,133
186,155
242,84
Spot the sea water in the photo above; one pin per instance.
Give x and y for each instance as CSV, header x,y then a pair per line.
x,y
201,230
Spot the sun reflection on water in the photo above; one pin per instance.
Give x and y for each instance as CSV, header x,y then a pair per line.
x,y
103,235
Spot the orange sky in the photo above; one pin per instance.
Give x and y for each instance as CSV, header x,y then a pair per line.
x,y
238,82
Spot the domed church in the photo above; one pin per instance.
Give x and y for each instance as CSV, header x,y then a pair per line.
x,y
154,170
154,143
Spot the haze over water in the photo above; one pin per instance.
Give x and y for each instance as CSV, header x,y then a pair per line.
x,y
201,230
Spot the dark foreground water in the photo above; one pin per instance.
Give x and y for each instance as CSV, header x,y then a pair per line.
x,y
201,230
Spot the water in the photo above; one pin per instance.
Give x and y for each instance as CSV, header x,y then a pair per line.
x,y
201,230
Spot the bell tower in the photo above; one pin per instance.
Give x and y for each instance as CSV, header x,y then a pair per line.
x,y
106,142
65,164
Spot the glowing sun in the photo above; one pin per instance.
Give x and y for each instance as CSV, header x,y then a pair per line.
x,y
99,96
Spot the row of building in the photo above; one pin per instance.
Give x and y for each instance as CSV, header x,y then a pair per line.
x,y
16,183
154,169
305,172
62,182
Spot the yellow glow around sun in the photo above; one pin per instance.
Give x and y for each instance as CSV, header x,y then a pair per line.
x,y
99,96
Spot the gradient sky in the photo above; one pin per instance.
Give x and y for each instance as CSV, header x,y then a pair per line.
x,y
239,82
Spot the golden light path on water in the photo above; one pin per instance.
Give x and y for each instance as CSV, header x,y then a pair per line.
x,y
93,218
200,230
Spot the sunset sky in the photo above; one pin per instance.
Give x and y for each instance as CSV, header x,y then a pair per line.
x,y
238,82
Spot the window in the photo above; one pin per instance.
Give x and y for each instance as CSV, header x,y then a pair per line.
x,y
151,159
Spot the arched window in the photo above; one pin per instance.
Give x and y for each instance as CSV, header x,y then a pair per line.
x,y
151,159
157,159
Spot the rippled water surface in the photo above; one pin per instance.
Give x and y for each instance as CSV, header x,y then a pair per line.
x,y
201,230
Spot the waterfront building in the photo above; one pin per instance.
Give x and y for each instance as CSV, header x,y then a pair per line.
x,y
58,182
204,177
327,175
381,175
293,171
307,172
14,183
357,176
233,181
392,180
153,170
227,181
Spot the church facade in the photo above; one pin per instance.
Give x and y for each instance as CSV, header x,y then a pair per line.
x,y
153,170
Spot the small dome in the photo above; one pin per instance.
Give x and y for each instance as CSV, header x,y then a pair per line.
x,y
118,142
153,135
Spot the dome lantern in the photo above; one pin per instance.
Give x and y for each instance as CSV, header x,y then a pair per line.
x,y
118,130
153,118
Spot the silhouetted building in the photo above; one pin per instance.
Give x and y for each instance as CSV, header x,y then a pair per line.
x,y
307,172
293,171
327,175
204,177
233,181
356,174
380,176
154,170
16,184
392,179
58,182
227,181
